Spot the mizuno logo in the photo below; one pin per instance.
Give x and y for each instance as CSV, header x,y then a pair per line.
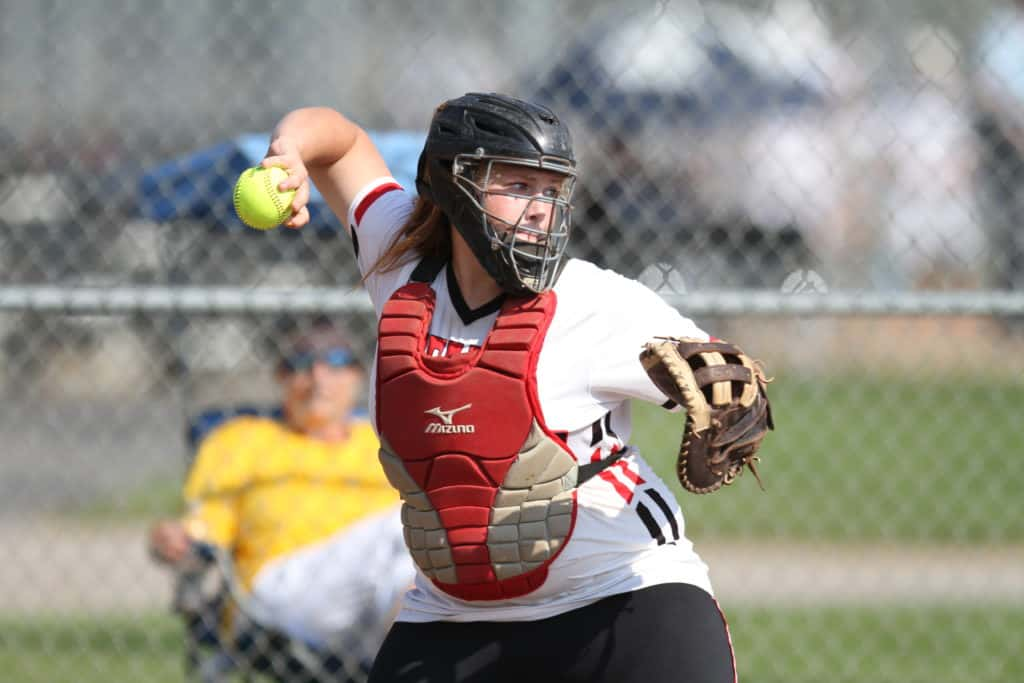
x,y
445,426
446,415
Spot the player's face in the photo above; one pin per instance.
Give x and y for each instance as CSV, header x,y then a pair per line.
x,y
320,390
517,196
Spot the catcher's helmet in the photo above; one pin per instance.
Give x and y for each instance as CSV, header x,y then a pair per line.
x,y
467,137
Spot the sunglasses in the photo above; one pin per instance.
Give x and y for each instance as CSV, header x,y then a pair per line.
x,y
332,358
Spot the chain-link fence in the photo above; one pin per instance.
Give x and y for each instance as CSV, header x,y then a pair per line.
x,y
837,186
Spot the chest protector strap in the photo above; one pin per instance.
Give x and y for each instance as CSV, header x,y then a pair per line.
x,y
489,492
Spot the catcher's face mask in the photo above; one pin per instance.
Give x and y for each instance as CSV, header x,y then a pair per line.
x,y
525,214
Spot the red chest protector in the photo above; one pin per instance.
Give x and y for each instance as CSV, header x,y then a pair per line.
x,y
488,491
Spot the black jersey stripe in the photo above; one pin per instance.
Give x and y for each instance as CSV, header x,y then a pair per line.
x,y
656,497
596,435
355,240
608,425
652,526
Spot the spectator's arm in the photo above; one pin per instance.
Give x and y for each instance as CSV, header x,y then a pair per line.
x,y
218,474
168,542
213,522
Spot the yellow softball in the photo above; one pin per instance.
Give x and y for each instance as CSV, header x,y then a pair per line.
x,y
258,202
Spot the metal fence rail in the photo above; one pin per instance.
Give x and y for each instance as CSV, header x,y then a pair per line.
x,y
300,300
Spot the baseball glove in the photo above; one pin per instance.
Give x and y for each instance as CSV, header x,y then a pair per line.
x,y
727,410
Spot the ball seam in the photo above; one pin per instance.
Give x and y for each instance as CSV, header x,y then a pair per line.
x,y
272,191
237,198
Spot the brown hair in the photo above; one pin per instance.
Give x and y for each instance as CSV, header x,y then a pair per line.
x,y
426,233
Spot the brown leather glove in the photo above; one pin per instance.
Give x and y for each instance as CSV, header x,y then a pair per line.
x,y
727,410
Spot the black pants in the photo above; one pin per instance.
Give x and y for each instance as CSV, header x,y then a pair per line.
x,y
671,632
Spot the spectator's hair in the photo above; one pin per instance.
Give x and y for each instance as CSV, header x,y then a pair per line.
x,y
322,334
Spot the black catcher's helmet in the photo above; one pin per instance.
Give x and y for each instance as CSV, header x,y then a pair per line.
x,y
468,136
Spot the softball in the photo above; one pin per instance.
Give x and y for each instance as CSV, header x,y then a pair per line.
x,y
258,202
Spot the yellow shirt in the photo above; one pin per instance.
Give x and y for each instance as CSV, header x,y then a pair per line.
x,y
264,491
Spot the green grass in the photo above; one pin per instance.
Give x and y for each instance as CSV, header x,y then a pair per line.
x,y
83,650
861,645
867,459
855,645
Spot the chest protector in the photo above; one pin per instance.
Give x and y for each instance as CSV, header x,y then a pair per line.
x,y
489,492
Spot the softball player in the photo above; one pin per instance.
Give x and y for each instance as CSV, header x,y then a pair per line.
x,y
546,547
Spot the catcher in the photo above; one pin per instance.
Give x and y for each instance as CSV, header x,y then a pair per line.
x,y
546,548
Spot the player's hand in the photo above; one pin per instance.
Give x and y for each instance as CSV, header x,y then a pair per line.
x,y
284,152
168,541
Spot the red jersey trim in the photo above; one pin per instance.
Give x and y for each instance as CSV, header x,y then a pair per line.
x,y
371,197
728,635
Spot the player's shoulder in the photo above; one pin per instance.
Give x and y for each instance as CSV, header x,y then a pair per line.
x,y
586,281
601,301
578,275
383,199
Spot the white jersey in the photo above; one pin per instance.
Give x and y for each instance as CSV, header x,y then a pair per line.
x,y
629,531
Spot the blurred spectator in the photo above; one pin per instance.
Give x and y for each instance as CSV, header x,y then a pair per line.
x,y
999,122
301,504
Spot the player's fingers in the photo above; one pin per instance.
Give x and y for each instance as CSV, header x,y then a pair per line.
x,y
285,161
301,197
285,153
298,220
297,173
296,180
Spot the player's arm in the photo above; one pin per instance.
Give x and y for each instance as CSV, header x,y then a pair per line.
x,y
632,316
721,390
322,145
